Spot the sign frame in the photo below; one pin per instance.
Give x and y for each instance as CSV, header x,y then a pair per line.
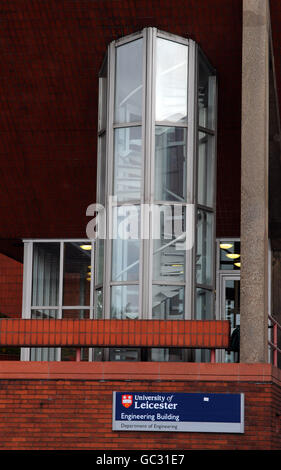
x,y
154,412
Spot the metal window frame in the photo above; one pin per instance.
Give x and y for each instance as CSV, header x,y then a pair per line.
x,y
27,306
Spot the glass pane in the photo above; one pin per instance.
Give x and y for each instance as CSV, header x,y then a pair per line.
x,y
103,97
124,354
44,313
171,81
76,314
44,354
204,305
204,255
170,163
128,91
77,274
206,183
98,303
168,302
230,255
168,249
206,94
101,168
167,355
124,302
232,312
45,275
128,164
126,243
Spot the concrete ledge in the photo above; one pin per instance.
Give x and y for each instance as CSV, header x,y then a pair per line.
x,y
130,371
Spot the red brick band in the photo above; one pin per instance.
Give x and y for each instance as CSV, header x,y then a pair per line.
x,y
115,333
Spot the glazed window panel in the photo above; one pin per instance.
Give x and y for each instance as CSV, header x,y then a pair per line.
x,y
127,178
206,168
45,274
77,273
170,163
125,302
171,81
169,254
128,82
126,243
204,304
204,255
167,302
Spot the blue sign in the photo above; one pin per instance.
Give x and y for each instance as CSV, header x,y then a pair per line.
x,y
182,412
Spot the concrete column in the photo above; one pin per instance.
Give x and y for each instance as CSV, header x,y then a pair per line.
x,y
254,181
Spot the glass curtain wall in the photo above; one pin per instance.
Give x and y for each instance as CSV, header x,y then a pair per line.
x,y
156,158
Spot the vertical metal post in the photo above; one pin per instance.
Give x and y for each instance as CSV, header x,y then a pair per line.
x,y
275,352
78,355
213,356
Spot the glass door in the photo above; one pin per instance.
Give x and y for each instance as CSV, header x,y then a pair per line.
x,y
229,307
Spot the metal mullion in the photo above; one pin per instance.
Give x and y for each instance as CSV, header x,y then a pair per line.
x,y
206,130
124,125
180,124
168,283
124,283
130,38
170,203
75,307
172,37
93,252
202,207
26,293
61,280
191,177
204,286
109,179
44,307
150,163
143,168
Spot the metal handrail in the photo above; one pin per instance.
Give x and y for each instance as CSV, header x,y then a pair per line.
x,y
274,344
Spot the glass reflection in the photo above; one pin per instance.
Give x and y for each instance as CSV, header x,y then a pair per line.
x,y
128,90
204,304
205,169
168,245
230,247
126,244
125,302
167,302
77,274
127,178
204,255
171,81
45,275
170,164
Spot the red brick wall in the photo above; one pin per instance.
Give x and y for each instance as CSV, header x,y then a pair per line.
x,y
10,287
64,413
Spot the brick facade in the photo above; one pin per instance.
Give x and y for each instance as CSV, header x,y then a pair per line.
x,y
69,406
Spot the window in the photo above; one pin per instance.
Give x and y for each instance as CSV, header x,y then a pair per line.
x,y
58,283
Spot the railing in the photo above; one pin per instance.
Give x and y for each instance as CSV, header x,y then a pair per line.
x,y
274,344
195,334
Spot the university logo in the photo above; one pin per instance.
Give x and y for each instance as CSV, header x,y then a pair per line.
x,y
127,400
